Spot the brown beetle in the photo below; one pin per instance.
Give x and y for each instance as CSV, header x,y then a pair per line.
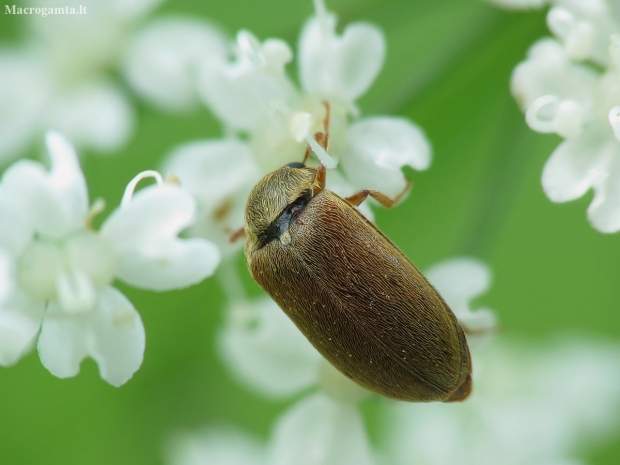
x,y
360,302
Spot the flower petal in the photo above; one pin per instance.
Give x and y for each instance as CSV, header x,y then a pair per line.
x,y
239,93
460,280
273,144
548,71
7,277
549,114
25,87
614,121
577,164
264,349
96,115
377,148
604,211
584,28
53,203
320,431
163,58
219,174
17,335
76,292
342,67
144,235
18,328
66,175
113,335
215,447
16,232
591,160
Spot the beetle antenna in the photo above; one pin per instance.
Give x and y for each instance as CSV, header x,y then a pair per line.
x,y
236,235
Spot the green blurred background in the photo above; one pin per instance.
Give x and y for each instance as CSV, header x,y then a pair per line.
x,y
448,68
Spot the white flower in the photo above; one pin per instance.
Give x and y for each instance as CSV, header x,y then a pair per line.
x,y
162,59
560,91
110,331
584,27
460,280
20,111
7,278
254,97
321,431
219,174
143,233
270,121
556,93
317,431
265,350
16,330
59,79
63,269
528,406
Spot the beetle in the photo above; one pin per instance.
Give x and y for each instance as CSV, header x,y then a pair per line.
x,y
354,295
358,300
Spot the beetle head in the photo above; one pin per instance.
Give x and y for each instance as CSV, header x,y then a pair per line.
x,y
287,188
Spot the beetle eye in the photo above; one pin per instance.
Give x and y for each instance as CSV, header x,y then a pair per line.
x,y
296,164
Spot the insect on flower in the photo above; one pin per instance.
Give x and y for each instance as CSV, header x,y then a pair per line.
x,y
360,302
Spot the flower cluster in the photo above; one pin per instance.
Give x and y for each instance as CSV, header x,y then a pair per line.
x,y
265,350
570,85
56,271
175,62
516,415
520,396
269,120
518,412
45,87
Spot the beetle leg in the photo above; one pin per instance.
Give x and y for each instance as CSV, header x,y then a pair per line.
x,y
358,197
322,138
479,331
307,154
325,133
238,234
